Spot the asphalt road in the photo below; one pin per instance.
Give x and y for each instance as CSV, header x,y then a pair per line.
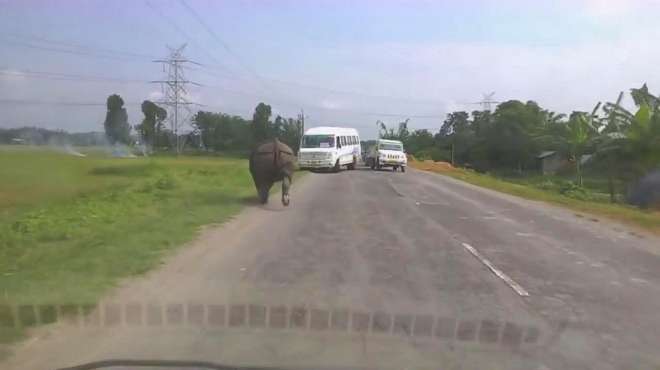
x,y
373,269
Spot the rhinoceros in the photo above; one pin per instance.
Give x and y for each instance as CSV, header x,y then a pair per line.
x,y
646,193
272,161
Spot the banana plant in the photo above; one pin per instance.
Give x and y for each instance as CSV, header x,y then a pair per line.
x,y
643,137
581,129
631,142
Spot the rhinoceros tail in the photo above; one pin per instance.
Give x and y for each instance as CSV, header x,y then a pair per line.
x,y
276,152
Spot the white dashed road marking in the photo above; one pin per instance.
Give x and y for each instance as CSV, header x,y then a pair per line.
x,y
639,281
510,282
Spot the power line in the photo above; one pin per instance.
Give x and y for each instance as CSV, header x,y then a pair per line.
x,y
182,81
66,76
185,35
85,48
206,69
224,45
54,102
63,51
316,107
104,53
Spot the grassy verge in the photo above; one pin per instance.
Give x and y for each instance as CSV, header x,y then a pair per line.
x,y
72,227
648,220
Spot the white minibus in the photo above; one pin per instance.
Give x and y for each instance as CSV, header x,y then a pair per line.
x,y
329,148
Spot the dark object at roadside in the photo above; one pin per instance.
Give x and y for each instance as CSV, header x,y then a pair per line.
x,y
646,194
270,162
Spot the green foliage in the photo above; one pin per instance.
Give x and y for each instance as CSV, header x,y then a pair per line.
x,y
433,153
43,136
97,220
287,131
630,143
165,182
401,134
510,140
222,133
418,141
260,122
152,124
624,146
116,124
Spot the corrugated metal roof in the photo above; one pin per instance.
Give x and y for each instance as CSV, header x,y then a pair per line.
x,y
546,154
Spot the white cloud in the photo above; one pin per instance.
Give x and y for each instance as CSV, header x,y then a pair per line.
x,y
155,95
563,78
331,104
608,9
9,74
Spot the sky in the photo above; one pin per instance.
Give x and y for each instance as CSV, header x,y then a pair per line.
x,y
345,63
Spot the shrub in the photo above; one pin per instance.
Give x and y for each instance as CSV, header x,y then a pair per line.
x,y
165,182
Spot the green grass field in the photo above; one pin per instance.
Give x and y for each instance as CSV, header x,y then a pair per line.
x,y
72,227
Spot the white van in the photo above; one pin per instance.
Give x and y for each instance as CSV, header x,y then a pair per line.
x,y
329,148
387,153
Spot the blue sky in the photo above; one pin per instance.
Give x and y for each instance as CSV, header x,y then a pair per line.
x,y
345,63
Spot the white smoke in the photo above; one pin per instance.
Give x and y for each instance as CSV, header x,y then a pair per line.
x,y
121,151
69,149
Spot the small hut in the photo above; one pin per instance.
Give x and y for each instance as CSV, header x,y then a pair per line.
x,y
550,162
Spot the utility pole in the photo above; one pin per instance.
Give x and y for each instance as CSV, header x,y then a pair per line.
x,y
174,89
301,119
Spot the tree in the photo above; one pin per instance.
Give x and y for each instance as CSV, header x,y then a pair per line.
x,y
480,152
418,141
643,135
456,122
289,133
581,128
630,143
456,135
260,122
116,124
609,143
384,132
206,123
510,142
152,123
402,132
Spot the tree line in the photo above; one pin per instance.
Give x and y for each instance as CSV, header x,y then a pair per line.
x,y
222,132
621,144
212,131
43,136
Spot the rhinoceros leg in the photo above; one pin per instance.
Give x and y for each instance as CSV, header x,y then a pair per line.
x,y
286,184
264,191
